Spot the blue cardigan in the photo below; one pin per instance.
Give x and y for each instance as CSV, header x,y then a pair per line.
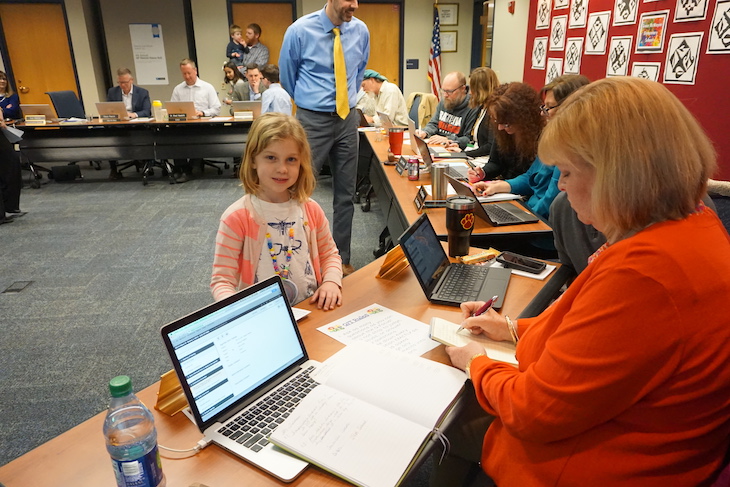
x,y
540,183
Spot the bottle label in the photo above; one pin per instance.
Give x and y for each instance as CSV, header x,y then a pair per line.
x,y
145,471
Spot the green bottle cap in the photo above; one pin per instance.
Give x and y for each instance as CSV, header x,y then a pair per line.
x,y
120,386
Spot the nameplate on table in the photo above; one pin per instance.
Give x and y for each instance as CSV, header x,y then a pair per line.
x,y
110,117
401,165
243,116
35,119
177,117
420,199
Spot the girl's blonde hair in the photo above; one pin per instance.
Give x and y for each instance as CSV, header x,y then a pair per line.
x,y
272,127
482,81
650,156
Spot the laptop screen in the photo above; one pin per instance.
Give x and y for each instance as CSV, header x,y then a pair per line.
x,y
425,253
231,349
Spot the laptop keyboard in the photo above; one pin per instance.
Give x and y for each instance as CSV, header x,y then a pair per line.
x,y
252,427
457,172
500,215
463,282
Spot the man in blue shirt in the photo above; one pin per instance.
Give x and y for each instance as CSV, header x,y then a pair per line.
x,y
306,63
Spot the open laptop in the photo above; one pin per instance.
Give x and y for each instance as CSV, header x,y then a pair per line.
x,y
247,106
233,355
112,108
363,121
444,282
186,107
496,214
385,120
39,109
456,171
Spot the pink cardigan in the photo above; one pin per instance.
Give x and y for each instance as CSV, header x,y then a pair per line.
x,y
241,235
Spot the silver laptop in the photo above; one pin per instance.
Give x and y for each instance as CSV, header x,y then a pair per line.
x,y
411,135
453,170
444,282
385,120
177,107
496,214
109,109
39,109
247,106
232,358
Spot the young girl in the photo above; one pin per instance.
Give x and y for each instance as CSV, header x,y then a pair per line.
x,y
233,85
275,228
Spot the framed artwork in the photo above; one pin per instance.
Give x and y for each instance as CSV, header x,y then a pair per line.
x,y
719,42
573,54
554,69
539,52
646,70
449,40
618,56
683,53
689,10
578,13
558,32
652,27
543,14
624,12
598,23
449,13
561,4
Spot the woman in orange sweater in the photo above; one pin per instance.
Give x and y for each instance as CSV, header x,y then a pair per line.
x,y
625,380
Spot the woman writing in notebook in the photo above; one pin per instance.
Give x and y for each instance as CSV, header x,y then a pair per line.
x,y
514,113
624,380
275,228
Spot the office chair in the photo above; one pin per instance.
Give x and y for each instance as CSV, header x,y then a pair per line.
x,y
425,104
67,105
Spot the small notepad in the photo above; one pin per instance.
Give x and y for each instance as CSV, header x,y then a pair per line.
x,y
445,332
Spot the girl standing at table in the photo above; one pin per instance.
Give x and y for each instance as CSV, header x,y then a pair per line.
x,y
275,228
233,85
9,101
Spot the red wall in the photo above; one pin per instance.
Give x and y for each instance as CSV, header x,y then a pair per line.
x,y
708,99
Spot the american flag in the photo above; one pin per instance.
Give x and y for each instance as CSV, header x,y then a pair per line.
x,y
434,60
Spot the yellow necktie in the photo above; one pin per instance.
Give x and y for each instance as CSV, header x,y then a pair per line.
x,y
341,96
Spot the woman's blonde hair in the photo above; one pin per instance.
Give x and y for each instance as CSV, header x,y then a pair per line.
x,y
650,156
482,81
272,127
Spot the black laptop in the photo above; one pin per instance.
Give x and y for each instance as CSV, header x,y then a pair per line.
x,y
497,214
444,282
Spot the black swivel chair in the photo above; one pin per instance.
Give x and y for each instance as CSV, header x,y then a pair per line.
x,y
67,105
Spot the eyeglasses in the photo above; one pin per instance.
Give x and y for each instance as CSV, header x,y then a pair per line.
x,y
546,109
451,92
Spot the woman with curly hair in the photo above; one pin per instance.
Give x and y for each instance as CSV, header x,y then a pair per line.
x,y
514,110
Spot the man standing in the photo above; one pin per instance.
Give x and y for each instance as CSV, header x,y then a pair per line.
x,y
207,104
136,100
275,99
453,120
323,58
253,50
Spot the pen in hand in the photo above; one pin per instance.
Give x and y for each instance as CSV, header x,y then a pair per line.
x,y
481,310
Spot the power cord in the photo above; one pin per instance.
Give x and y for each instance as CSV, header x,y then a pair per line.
x,y
199,446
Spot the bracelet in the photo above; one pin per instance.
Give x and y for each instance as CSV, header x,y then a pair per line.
x,y
512,329
468,363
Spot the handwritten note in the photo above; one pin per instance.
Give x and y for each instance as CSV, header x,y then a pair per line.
x,y
381,326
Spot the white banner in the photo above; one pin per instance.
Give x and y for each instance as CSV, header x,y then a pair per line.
x,y
149,54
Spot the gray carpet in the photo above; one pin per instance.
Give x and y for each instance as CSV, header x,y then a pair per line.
x,y
110,263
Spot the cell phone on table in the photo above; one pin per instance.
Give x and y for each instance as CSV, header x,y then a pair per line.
x,y
520,262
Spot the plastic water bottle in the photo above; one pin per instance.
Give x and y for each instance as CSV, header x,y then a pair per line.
x,y
157,110
131,438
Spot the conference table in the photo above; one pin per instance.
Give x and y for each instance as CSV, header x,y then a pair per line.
x,y
98,139
396,195
78,457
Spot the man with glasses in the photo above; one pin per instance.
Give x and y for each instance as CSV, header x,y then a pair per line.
x,y
453,120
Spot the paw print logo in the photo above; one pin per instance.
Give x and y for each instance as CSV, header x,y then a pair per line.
x,y
468,221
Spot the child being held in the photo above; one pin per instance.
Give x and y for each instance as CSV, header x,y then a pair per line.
x,y
275,228
234,50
